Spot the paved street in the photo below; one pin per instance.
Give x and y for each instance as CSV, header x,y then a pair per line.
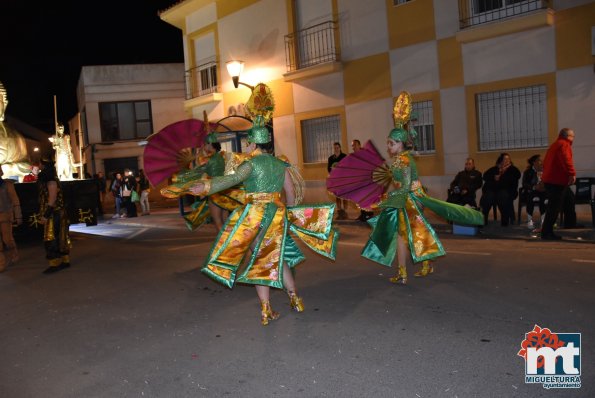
x,y
134,317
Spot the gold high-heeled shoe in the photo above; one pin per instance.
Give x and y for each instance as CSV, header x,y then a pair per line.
x,y
267,313
401,277
426,269
295,302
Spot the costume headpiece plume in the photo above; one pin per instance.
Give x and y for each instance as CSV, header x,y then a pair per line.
x,y
402,115
260,107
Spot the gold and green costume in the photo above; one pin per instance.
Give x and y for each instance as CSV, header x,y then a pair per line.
x,y
403,214
55,234
260,227
212,166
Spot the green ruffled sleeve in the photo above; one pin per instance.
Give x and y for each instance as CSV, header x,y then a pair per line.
x,y
222,183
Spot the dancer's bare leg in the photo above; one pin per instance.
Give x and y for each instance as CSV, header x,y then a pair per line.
x,y
402,251
216,214
288,279
295,301
266,312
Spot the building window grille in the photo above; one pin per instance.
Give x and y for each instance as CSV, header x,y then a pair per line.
x,y
423,123
476,12
125,120
202,80
311,46
512,119
318,136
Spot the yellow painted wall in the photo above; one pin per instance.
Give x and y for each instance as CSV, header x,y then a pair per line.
x,y
432,164
367,79
235,97
283,95
227,7
450,63
317,171
410,23
573,36
486,159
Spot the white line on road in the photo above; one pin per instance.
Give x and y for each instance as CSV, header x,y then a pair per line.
x,y
140,231
580,260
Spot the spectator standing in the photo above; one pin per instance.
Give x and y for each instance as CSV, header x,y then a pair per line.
x,y
129,185
558,174
501,188
10,211
465,184
144,189
335,158
533,189
116,190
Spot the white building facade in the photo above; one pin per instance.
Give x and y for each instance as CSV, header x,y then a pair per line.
x,y
486,76
120,106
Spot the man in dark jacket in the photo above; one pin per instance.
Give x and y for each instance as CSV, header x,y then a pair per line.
x,y
558,173
463,187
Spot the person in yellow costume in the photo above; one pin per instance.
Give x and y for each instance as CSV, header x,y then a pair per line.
x,y
254,245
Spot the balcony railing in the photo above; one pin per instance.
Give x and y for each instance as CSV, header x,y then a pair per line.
x,y
311,46
477,12
202,80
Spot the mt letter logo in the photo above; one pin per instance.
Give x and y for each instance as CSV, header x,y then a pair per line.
x,y
552,359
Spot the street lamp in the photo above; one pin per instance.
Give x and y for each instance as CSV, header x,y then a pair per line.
x,y
234,68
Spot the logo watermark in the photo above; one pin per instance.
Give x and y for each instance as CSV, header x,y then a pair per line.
x,y
552,359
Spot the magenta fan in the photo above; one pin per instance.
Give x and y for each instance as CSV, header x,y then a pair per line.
x,y
161,153
361,177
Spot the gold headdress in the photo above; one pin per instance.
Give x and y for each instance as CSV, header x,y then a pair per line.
x,y
260,107
402,115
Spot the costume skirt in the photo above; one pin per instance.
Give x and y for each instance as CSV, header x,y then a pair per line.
x,y
410,223
255,243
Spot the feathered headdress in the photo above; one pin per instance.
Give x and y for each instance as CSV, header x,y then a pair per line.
x,y
402,115
260,107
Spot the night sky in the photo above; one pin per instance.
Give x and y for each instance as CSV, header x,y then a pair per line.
x,y
43,46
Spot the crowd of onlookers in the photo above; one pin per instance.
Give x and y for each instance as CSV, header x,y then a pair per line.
x,y
502,184
130,193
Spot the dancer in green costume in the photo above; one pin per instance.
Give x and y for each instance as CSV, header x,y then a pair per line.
x,y
259,230
401,226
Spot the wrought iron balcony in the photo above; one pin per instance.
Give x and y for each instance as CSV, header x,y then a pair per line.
x,y
477,12
202,80
312,46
